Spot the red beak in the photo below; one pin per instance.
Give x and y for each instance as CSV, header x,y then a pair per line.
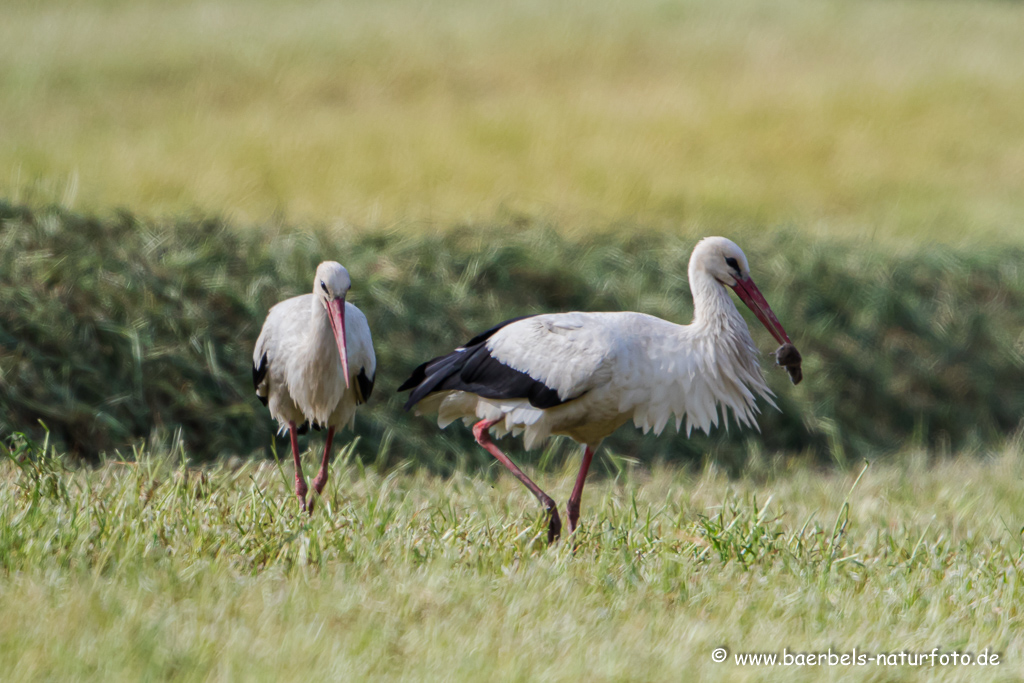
x,y
749,294
336,314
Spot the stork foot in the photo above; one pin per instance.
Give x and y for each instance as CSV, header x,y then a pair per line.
x,y
300,492
318,488
320,480
555,524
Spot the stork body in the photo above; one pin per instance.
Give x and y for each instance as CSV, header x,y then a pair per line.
x,y
584,375
314,363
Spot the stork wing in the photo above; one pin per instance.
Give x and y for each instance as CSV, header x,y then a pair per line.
x,y
570,353
283,319
362,359
546,359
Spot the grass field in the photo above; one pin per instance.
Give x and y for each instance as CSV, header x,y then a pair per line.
x,y
146,570
500,133
851,118
135,567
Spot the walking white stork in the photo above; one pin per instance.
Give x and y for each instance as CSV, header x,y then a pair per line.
x,y
314,362
584,375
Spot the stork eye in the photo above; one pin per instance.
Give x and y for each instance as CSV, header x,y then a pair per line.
x,y
323,285
731,262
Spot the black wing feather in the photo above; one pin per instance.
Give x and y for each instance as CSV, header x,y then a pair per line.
x,y
365,384
258,373
427,376
431,366
472,368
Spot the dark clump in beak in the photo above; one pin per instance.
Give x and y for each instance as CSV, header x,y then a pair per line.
x,y
788,357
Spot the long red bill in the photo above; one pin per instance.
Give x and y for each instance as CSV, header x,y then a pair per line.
x,y
336,314
749,294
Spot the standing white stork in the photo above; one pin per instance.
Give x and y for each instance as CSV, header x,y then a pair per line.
x,y
586,374
314,362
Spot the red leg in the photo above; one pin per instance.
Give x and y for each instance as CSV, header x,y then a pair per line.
x,y
573,507
300,481
484,439
321,476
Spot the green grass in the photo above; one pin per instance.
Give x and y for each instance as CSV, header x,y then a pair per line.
x,y
490,137
842,117
148,570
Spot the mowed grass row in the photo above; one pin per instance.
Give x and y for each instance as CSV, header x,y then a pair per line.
x,y
874,119
117,330
145,569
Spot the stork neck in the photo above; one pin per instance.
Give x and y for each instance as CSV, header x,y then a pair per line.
x,y
320,332
713,309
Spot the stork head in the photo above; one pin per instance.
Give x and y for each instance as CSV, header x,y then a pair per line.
x,y
723,260
330,287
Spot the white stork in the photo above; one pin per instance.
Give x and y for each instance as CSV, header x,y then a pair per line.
x,y
586,374
314,362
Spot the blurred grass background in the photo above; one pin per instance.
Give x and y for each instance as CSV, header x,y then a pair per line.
x,y
876,119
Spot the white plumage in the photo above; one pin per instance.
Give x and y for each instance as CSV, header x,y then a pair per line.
x,y
304,379
601,370
314,362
